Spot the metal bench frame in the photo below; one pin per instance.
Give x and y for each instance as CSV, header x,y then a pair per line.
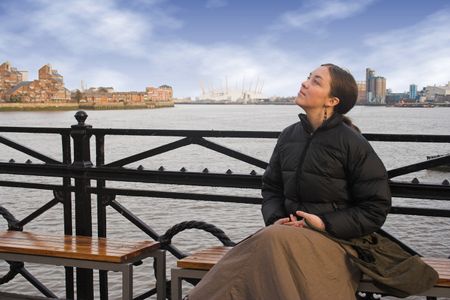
x,y
126,268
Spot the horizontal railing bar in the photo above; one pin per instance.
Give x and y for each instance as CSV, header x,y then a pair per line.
x,y
419,190
36,186
246,200
266,134
419,211
398,189
127,175
175,195
187,133
382,137
418,138
35,129
208,197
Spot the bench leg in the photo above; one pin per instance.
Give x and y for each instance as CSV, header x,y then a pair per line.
x,y
160,257
175,284
127,282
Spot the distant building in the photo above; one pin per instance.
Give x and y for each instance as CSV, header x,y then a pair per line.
x,y
375,88
362,95
49,87
162,93
394,98
413,91
380,90
431,92
9,77
103,95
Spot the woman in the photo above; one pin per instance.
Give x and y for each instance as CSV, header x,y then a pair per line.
x,y
323,173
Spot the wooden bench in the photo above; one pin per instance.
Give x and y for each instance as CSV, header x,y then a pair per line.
x,y
198,264
85,252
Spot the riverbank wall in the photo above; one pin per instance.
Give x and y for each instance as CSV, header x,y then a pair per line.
x,y
76,106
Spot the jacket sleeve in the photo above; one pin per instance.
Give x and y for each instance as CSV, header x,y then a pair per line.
x,y
272,189
370,195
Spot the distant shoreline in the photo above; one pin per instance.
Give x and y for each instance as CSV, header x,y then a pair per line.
x,y
76,106
292,103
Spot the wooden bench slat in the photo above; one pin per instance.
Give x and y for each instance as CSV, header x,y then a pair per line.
x,y
204,259
77,247
442,266
80,240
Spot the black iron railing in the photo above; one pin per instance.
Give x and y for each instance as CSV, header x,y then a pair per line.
x,y
77,174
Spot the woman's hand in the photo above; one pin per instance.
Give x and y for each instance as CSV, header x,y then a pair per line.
x,y
292,220
282,221
314,220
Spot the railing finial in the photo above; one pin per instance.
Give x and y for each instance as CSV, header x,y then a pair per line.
x,y
81,116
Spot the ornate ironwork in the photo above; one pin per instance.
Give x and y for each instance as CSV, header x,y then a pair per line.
x,y
76,175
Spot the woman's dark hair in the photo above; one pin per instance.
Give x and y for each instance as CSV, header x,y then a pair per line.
x,y
343,86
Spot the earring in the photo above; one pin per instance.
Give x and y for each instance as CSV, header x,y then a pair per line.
x,y
325,114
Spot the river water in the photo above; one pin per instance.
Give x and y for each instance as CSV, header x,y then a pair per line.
x,y
429,236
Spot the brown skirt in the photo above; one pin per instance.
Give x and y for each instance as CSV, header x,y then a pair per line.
x,y
281,262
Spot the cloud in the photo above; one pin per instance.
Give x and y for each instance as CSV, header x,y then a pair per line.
x,y
418,53
86,26
105,44
315,15
216,3
212,65
108,77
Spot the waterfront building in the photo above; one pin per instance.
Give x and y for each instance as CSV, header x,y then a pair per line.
x,y
394,98
380,89
375,88
362,95
369,88
103,95
431,92
412,91
49,87
10,77
162,93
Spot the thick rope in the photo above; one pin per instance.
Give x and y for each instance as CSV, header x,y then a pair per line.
x,y
166,238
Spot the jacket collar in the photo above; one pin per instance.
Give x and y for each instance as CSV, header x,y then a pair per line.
x,y
331,122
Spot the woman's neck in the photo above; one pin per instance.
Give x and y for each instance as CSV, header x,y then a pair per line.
x,y
316,117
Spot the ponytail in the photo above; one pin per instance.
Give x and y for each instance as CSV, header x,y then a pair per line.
x,y
349,123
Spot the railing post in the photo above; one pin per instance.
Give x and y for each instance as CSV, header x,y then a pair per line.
x,y
83,213
67,196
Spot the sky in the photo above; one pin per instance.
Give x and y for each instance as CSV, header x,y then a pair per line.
x,y
258,44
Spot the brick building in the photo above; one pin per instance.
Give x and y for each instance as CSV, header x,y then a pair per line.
x,y
49,87
104,95
9,78
163,93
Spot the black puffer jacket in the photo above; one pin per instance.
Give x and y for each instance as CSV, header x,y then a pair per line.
x,y
332,172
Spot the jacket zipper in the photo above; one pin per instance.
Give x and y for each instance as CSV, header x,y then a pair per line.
x,y
300,165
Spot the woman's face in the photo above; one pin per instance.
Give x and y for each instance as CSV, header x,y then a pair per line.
x,y
315,90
